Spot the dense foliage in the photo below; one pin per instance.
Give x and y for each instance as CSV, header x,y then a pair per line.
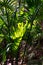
x,y
19,20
